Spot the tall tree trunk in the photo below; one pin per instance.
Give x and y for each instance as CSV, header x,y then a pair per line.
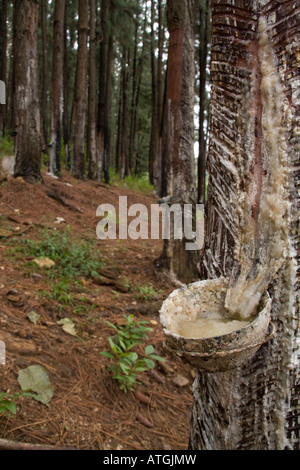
x,y
79,111
44,93
252,206
66,118
203,50
27,121
105,5
122,144
57,86
138,60
3,60
107,128
92,105
178,132
155,168
154,123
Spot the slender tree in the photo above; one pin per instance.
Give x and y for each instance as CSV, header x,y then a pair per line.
x,y
57,86
79,111
3,59
178,134
157,96
92,154
204,27
66,115
44,79
27,122
102,97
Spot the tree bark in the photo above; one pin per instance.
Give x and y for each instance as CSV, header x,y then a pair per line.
x,y
178,133
253,149
102,97
3,60
27,121
124,166
57,86
92,105
203,52
66,118
44,93
157,98
79,110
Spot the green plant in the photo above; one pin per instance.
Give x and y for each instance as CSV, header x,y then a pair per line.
x,y
59,292
8,402
6,146
127,364
72,257
146,292
139,182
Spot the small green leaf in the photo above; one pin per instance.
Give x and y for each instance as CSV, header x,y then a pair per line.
x,y
107,354
35,378
149,349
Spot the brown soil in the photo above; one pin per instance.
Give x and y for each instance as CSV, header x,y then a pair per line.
x,y
88,411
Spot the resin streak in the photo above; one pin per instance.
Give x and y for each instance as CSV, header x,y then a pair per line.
x,y
253,197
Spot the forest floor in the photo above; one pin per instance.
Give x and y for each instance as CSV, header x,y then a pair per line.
x,y
88,411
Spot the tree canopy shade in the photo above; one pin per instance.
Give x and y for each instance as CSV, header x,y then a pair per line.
x,y
100,83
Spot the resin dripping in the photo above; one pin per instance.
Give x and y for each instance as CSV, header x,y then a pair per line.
x,y
263,240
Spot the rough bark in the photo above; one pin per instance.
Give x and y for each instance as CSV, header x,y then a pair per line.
x,y
26,91
79,110
66,119
57,86
92,105
203,53
102,96
178,133
44,79
256,406
3,60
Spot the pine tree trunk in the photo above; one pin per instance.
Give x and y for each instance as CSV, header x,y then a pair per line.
x,y
102,88
57,86
27,122
253,148
92,122
3,60
203,51
155,166
44,80
66,120
178,133
124,115
79,110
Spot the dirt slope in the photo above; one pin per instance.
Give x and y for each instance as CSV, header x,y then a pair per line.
x,y
87,411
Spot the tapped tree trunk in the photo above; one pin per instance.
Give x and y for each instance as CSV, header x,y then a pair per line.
x,y
253,164
178,134
27,124
79,110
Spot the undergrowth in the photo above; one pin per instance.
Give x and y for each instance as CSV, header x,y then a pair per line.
x,y
6,146
73,258
138,182
126,364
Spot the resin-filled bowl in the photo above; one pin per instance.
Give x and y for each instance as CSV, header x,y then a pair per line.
x,y
221,352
